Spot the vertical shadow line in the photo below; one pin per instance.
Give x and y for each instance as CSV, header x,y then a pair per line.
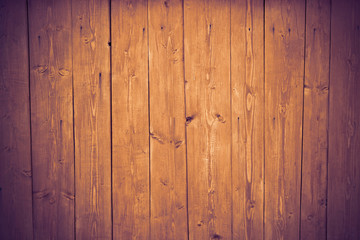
x,y
186,142
302,123
328,127
148,84
111,125
30,128
264,120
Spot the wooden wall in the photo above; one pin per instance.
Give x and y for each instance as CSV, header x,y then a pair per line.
x,y
193,119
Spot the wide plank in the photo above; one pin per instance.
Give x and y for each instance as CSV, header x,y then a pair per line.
x,y
208,111
130,120
167,121
344,120
52,118
15,153
91,67
247,96
284,77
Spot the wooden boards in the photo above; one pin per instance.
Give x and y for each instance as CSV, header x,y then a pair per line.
x,y
247,86
91,76
167,121
284,75
15,153
130,120
315,133
193,119
207,90
52,118
344,122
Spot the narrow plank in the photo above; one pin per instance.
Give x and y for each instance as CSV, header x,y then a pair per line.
x,y
131,213
344,122
207,74
167,121
15,163
91,66
314,168
52,119
284,73
247,86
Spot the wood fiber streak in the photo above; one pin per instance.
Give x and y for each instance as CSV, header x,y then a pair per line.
x,y
315,133
284,73
91,66
247,86
52,118
15,155
207,89
167,121
344,122
130,130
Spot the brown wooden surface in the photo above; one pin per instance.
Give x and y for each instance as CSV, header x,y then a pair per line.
x,y
15,158
52,119
167,121
207,89
316,88
344,121
130,125
247,86
284,73
190,119
91,67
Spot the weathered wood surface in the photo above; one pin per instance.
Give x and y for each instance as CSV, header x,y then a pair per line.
x,y
207,89
247,86
284,76
91,76
344,121
179,119
130,124
315,132
52,119
167,121
15,153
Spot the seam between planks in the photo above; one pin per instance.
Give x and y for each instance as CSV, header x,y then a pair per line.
x,y
73,115
148,85
231,145
30,129
111,121
264,120
327,130
186,152
302,124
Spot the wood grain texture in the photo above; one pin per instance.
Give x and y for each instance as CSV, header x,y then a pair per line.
x,y
52,119
247,86
315,138
91,66
15,155
167,121
284,73
131,213
207,74
344,122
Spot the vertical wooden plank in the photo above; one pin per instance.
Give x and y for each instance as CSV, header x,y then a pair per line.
x,y
207,74
284,72
91,66
15,156
314,168
52,119
131,213
344,122
167,121
247,85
